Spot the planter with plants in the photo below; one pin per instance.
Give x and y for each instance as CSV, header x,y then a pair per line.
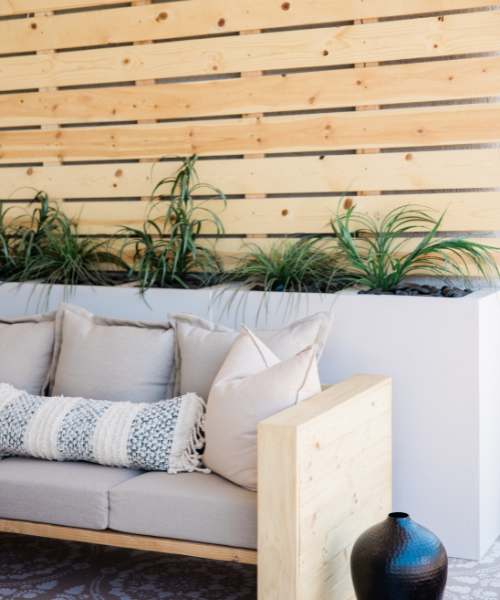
x,y
442,353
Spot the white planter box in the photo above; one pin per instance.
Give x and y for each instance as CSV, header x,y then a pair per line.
x,y
120,302
444,358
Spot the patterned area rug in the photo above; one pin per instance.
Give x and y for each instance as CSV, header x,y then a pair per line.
x,y
54,570
469,580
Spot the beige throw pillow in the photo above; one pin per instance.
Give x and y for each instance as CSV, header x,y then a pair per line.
x,y
252,385
26,346
111,359
202,346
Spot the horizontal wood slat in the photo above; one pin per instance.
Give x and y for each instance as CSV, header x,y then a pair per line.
x,y
126,540
418,82
197,18
415,127
16,7
473,211
385,41
445,170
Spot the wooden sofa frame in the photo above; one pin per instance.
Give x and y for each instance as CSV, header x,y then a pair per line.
x,y
324,477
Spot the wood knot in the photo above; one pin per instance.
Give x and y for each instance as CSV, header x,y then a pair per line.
x,y
163,16
285,6
284,212
359,82
441,18
409,157
29,171
126,61
347,203
450,78
33,25
420,130
215,68
312,100
221,22
325,52
436,45
119,173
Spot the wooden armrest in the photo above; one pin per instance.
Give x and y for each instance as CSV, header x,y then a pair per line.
x,y
324,477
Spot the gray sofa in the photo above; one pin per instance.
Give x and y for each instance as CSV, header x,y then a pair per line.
x,y
324,470
188,506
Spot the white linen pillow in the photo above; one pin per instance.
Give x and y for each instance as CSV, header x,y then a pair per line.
x,y
26,346
111,359
252,385
202,346
164,436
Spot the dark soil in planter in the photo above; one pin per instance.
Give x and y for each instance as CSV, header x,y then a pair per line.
x,y
413,289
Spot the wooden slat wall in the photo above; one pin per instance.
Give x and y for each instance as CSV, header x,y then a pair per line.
x,y
74,123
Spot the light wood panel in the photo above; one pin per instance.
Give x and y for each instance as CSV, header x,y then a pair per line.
x,y
125,540
196,18
474,211
296,440
259,14
417,82
16,7
445,170
447,125
393,40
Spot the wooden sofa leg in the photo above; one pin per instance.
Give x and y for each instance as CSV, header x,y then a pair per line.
x,y
324,477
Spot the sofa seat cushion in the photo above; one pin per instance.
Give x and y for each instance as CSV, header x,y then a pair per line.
x,y
74,494
188,506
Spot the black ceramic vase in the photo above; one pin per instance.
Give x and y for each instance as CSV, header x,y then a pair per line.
x,y
399,559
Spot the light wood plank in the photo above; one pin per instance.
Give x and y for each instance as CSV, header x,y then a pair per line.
x,y
415,127
125,540
417,82
286,570
473,211
16,7
392,40
259,14
345,505
195,18
334,455
278,513
320,565
442,170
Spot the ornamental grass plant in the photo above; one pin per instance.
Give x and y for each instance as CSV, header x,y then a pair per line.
x,y
49,249
289,265
376,255
167,251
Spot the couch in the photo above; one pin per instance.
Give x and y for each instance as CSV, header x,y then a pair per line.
x,y
324,476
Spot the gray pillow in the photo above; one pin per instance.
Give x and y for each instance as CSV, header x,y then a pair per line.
x,y
26,346
163,436
111,359
202,346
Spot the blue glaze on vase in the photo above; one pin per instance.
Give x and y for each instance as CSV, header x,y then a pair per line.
x,y
399,559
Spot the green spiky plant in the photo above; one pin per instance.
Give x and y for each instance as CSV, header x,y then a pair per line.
x,y
167,251
288,265
9,240
379,259
50,249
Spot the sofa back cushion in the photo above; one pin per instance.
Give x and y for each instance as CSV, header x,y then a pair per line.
x,y
26,346
202,346
111,359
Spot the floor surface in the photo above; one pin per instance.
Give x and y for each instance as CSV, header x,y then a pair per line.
x,y
54,570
